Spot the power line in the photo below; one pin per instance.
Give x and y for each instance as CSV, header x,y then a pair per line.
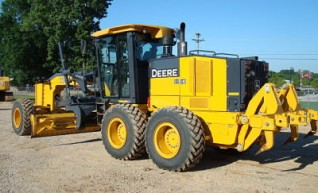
x,y
283,54
307,59
286,56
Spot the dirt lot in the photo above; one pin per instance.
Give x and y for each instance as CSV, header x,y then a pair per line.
x,y
79,163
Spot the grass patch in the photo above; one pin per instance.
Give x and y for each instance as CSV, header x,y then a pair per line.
x,y
30,97
309,105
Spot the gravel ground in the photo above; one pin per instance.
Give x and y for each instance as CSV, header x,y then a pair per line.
x,y
79,163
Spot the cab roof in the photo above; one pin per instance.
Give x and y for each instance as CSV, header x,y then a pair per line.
x,y
155,31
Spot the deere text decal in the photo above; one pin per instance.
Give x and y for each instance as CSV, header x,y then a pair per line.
x,y
162,73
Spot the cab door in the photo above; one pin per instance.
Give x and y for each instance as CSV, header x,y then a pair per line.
x,y
114,67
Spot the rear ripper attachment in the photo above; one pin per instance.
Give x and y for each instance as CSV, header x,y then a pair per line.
x,y
268,112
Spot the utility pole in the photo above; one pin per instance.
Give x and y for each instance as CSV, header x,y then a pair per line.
x,y
300,78
291,74
198,41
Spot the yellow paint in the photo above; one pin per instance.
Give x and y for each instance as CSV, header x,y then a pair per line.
x,y
164,86
205,86
47,92
57,124
17,118
224,134
234,94
312,114
107,91
221,127
166,140
4,83
288,97
154,31
116,133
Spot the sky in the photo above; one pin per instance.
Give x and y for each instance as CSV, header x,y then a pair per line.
x,y
282,32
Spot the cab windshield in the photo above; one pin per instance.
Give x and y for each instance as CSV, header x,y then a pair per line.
x,y
148,48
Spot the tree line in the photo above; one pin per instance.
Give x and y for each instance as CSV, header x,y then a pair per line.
x,y
31,29
295,77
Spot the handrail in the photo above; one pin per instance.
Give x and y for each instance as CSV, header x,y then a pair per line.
x,y
210,53
194,52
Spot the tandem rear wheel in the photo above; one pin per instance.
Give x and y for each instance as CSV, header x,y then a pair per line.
x,y
123,131
175,139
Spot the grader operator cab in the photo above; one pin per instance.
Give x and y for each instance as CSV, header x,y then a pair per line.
x,y
145,99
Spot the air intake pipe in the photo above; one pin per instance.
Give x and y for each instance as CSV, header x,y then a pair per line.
x,y
182,44
167,42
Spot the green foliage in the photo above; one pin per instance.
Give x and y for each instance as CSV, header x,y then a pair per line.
x,y
31,29
287,74
277,78
314,82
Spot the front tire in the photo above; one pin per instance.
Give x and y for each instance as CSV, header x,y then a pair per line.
x,y
175,139
20,116
123,131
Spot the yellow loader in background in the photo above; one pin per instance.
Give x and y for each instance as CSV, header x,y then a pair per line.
x,y
143,98
5,94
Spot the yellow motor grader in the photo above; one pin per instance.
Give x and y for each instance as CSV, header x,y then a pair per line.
x,y
143,98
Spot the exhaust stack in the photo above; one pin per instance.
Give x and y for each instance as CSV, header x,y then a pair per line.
x,y
182,44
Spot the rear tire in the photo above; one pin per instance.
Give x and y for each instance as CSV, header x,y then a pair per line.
x,y
20,116
175,139
123,131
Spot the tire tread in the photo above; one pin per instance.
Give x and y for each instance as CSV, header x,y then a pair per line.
x,y
197,142
27,110
138,119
